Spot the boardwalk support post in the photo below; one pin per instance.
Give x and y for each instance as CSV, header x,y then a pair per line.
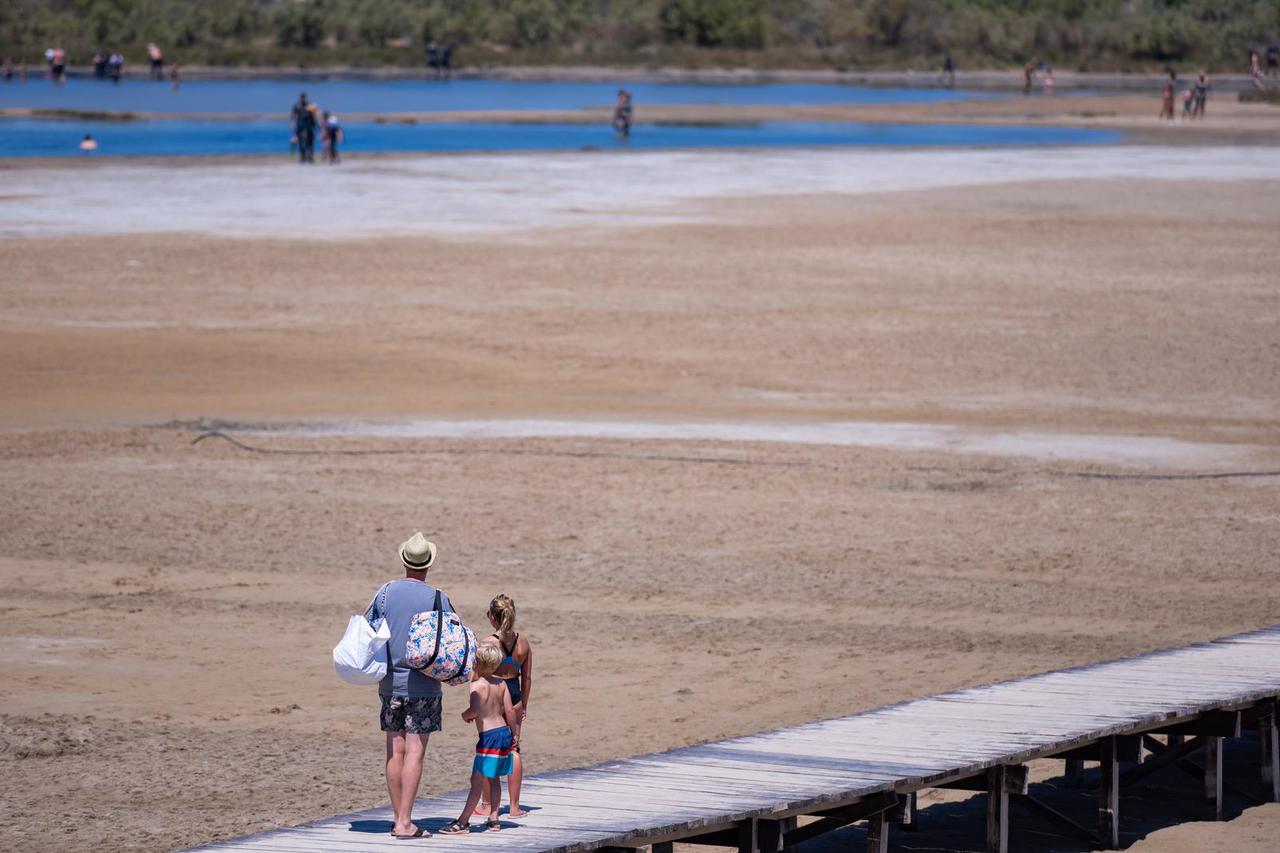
x,y
663,847
771,835
878,833
1269,740
1109,795
748,838
998,809
1213,775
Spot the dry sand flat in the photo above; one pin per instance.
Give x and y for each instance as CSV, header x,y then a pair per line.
x,y
169,607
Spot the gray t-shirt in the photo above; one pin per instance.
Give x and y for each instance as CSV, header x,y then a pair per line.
x,y
405,598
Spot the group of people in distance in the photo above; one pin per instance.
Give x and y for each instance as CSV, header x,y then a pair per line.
x,y
501,683
1193,97
439,58
308,122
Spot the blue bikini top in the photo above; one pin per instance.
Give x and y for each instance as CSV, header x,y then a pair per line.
x,y
509,652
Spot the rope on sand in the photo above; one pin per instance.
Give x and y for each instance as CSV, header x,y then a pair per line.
x,y
452,451
586,454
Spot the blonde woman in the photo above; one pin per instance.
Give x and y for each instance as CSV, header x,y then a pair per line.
x,y
517,671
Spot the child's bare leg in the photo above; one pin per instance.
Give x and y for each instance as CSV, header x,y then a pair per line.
x,y
513,786
477,784
495,799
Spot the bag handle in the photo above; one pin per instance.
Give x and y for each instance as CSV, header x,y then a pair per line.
x,y
439,630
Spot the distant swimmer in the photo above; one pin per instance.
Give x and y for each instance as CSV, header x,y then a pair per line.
x,y
622,114
332,131
88,143
175,74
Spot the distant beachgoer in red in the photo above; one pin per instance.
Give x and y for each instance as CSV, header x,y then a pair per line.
x,y
1166,98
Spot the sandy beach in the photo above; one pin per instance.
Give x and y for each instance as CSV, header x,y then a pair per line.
x,y
1026,319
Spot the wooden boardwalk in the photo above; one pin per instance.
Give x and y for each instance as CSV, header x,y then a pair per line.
x,y
1138,714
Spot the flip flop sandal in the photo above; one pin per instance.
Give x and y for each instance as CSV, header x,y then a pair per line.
x,y
455,828
418,832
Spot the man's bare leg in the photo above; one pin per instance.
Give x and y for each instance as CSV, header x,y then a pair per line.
x,y
410,777
395,766
513,786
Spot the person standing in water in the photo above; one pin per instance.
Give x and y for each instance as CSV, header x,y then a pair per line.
x,y
175,74
332,131
304,129
157,61
949,70
1255,71
622,114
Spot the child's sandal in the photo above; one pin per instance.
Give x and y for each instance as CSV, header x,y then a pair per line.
x,y
455,828
494,824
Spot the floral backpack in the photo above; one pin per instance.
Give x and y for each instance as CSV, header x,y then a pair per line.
x,y
440,646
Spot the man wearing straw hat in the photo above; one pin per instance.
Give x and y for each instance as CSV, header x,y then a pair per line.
x,y
410,700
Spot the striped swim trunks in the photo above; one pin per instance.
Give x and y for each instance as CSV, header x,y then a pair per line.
x,y
493,753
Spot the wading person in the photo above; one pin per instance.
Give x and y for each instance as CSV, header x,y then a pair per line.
x,y
304,129
410,700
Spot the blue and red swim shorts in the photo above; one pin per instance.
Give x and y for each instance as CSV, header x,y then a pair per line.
x,y
493,753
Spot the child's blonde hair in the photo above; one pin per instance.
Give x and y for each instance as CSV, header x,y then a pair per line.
x,y
503,610
488,659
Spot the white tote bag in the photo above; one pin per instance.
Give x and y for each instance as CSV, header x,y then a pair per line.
x,y
361,655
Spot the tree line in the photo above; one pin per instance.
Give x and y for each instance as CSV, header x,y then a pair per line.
x,y
842,34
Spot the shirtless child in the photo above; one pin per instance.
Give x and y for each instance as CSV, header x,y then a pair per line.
x,y
495,719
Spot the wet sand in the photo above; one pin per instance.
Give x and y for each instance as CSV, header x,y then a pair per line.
x,y
169,607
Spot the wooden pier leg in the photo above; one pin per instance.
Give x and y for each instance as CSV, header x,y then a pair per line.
x,y
878,833
1108,795
911,814
1213,775
664,847
1269,740
1174,740
748,840
1073,771
997,810
770,834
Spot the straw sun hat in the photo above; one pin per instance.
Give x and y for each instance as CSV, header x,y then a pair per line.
x,y
418,553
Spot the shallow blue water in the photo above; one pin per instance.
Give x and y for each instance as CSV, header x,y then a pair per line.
x,y
276,96
57,137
